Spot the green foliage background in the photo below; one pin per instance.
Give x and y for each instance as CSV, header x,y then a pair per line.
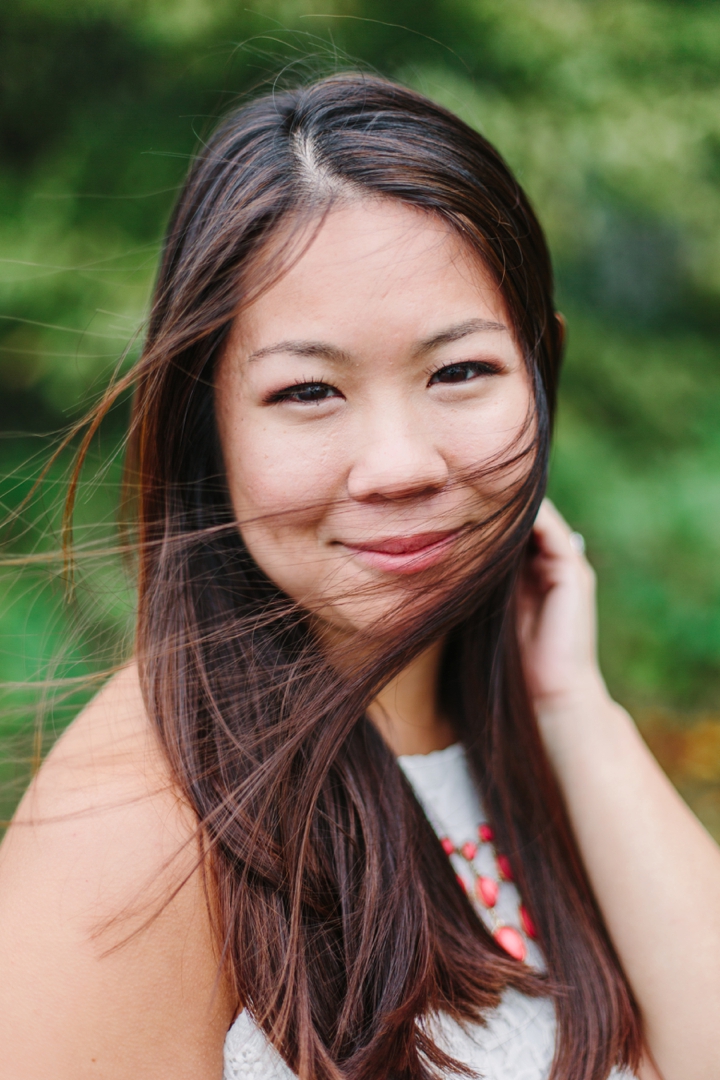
x,y
609,111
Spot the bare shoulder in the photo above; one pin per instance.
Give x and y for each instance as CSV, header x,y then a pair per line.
x,y
108,751
105,787
106,940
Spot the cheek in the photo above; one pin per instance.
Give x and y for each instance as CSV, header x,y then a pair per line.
x,y
493,431
281,478
271,470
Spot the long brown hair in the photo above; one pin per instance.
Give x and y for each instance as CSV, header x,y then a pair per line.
x,y
340,921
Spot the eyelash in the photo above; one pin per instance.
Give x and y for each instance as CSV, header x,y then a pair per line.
x,y
286,394
482,367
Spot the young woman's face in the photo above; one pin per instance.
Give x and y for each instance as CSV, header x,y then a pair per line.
x,y
355,399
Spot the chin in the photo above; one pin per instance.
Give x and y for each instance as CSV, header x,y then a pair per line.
x,y
374,618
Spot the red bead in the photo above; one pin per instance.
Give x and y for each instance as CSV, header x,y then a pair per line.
x,y
505,868
527,923
461,883
469,850
487,891
509,939
486,834
447,845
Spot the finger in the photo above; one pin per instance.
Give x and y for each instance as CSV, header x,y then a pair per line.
x,y
552,534
551,530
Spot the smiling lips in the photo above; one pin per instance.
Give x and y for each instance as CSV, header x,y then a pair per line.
x,y
404,554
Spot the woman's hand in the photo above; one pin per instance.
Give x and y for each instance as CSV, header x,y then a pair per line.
x,y
556,617
654,870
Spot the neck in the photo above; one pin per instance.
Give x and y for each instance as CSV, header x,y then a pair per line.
x,y
406,711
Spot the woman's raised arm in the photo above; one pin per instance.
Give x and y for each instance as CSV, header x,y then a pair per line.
x,y
654,869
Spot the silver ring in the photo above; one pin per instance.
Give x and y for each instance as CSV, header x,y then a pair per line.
x,y
578,542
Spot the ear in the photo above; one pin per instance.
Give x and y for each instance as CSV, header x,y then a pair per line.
x,y
562,330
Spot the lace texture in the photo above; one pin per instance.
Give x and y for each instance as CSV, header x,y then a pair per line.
x,y
518,1040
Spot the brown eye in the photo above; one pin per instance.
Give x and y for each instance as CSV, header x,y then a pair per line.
x,y
309,393
457,373
314,392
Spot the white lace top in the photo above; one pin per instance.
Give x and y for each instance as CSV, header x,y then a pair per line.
x,y
518,1040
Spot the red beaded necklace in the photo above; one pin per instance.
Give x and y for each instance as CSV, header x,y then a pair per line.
x,y
485,891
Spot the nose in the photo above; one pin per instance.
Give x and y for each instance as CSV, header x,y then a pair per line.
x,y
396,459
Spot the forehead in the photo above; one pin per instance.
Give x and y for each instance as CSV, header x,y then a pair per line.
x,y
374,268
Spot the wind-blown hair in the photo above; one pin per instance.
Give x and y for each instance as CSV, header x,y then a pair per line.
x,y
340,922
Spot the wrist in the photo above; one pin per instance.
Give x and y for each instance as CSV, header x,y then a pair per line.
x,y
587,692
583,719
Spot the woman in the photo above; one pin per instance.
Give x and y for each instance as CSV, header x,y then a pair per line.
x,y
361,806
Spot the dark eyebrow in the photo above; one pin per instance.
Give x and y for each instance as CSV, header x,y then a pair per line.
x,y
455,333
303,348
325,351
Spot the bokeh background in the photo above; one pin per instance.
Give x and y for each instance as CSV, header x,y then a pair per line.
x,y
608,110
